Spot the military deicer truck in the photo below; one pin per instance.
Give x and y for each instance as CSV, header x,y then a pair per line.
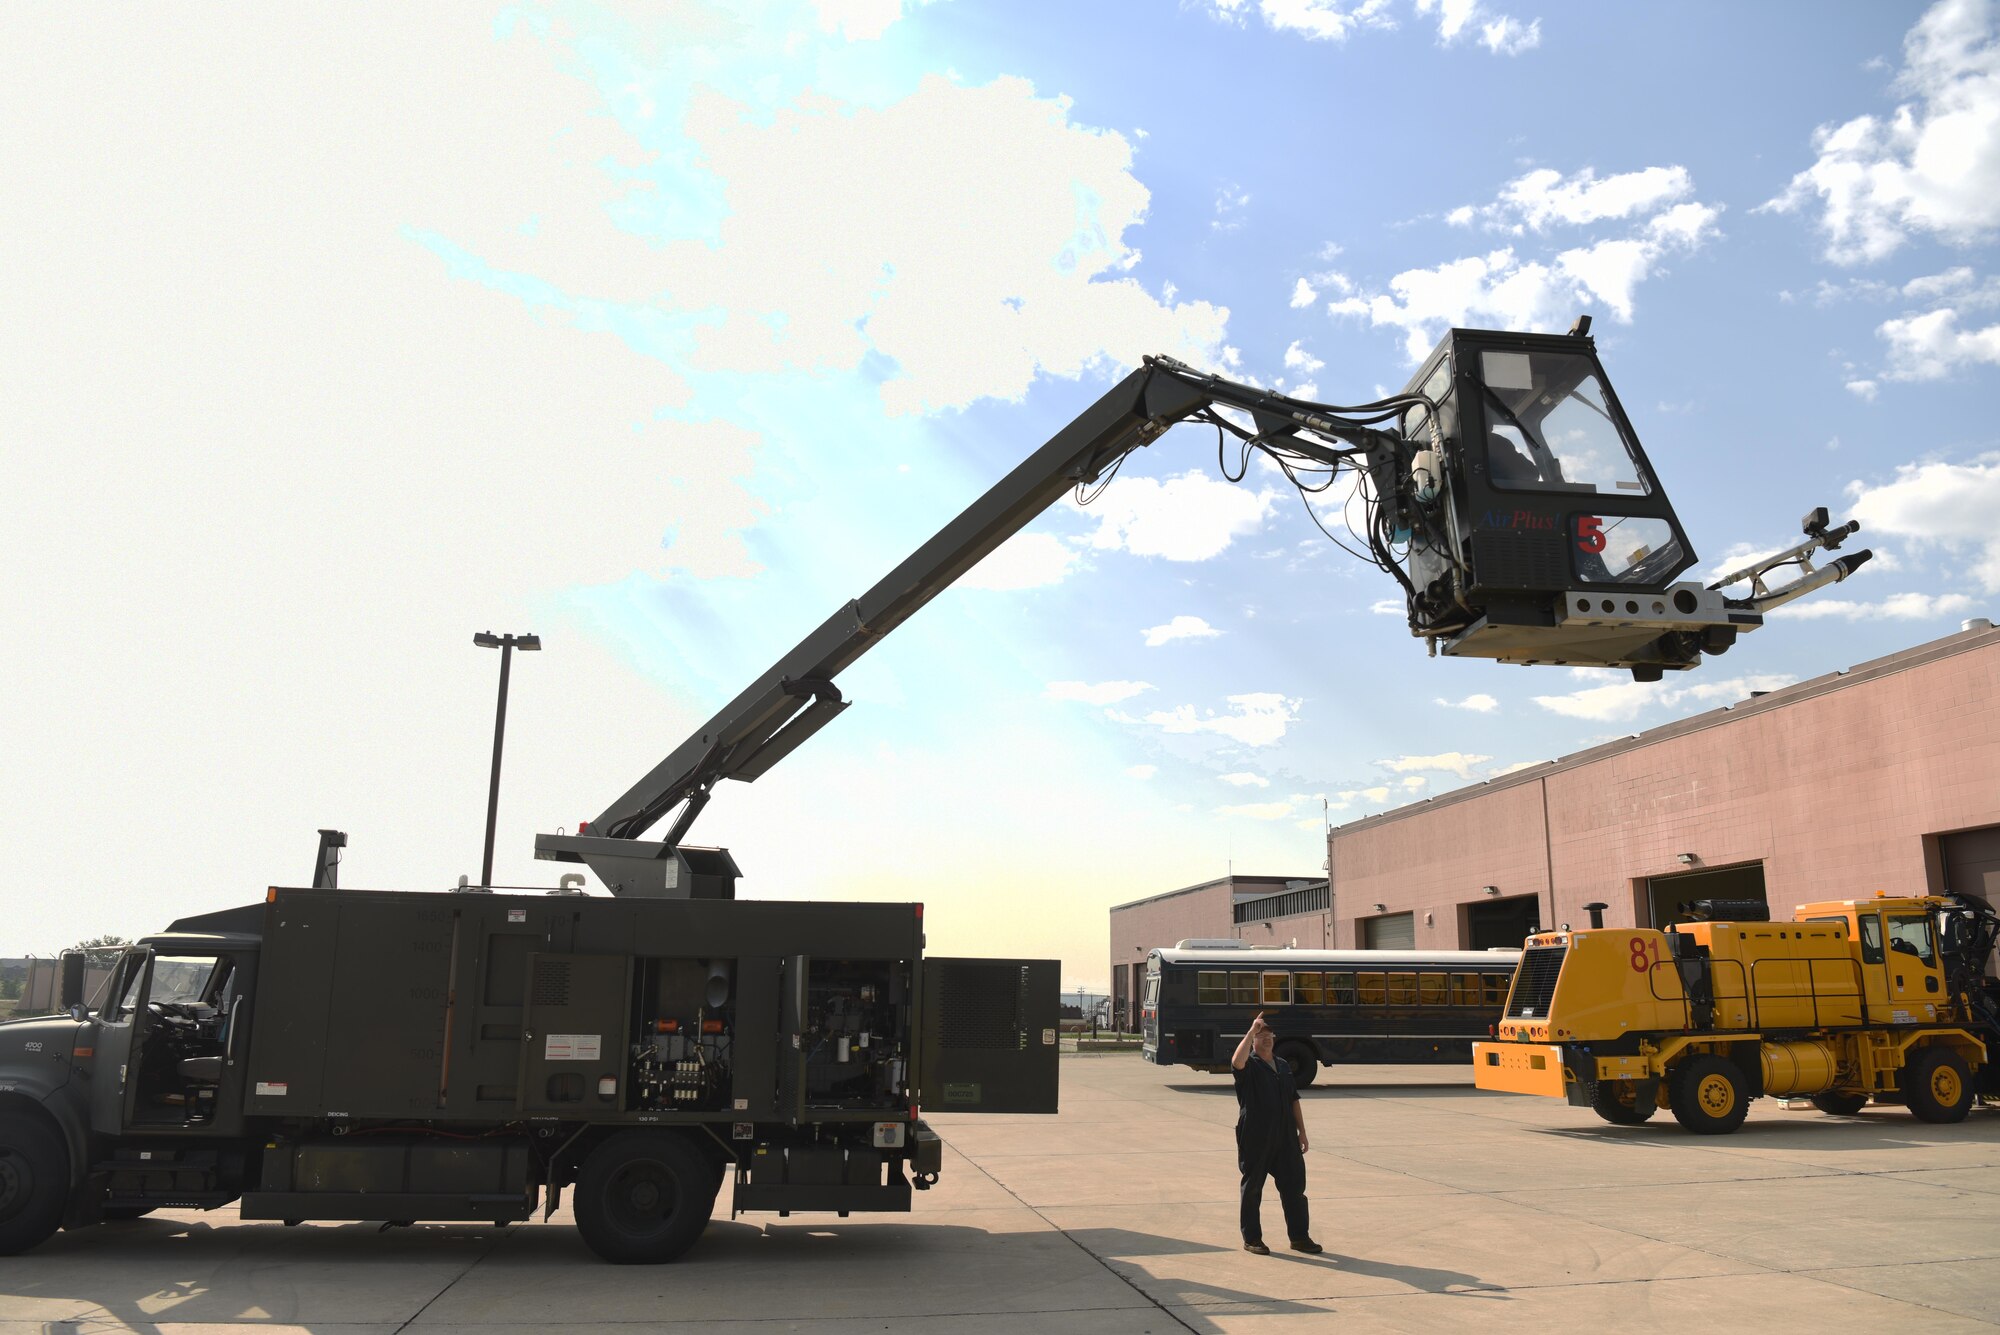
x,y
335,1054
1886,998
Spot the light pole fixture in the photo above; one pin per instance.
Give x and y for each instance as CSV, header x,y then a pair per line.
x,y
1685,859
506,644
1490,889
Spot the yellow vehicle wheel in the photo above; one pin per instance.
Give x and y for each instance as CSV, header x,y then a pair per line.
x,y
1937,1085
1708,1095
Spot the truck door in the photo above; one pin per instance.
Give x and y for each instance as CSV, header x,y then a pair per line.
x,y
1915,980
115,1022
989,1036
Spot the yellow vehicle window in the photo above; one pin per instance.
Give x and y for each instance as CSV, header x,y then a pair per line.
x,y
1306,989
1340,989
1911,936
1871,938
1431,989
1402,989
1243,989
1277,989
1368,989
1211,989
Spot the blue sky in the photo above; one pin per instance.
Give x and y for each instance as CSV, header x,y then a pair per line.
x,y
665,330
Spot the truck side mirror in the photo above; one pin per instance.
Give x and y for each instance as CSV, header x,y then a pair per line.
x,y
71,996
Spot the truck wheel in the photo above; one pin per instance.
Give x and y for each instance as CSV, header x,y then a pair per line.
x,y
643,1197
1937,1085
1618,1102
1305,1066
34,1181
1840,1105
1708,1096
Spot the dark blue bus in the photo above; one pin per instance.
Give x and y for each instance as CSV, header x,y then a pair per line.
x,y
1326,1005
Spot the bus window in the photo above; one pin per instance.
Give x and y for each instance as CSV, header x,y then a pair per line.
x,y
1368,989
1431,990
1242,989
1306,989
1465,989
1496,988
1340,989
1152,991
1871,938
1402,989
1211,989
1277,989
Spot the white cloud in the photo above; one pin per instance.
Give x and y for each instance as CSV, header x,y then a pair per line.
x,y
1246,780
1896,607
1180,628
1142,771
1479,703
1951,504
1501,34
1298,359
1316,20
1257,719
861,20
1415,782
1865,390
1510,290
1232,202
1389,607
1303,294
1024,561
1258,810
1095,693
1452,762
1933,164
1931,346
1545,197
1189,517
1620,702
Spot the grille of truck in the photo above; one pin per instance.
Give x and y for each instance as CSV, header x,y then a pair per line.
x,y
1535,983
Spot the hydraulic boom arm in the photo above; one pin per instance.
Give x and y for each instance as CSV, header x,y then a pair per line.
x,y
1421,474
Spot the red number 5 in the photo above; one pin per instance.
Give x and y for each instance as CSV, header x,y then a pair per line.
x,y
1589,533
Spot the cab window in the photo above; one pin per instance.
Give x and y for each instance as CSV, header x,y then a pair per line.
x,y
1911,935
125,987
1871,938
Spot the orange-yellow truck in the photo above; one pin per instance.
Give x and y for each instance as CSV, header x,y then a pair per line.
x,y
1886,998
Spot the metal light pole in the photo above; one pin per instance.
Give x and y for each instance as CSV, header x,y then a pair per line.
x,y
506,644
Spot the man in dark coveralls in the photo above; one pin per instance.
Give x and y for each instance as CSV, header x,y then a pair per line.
x,y
1270,1140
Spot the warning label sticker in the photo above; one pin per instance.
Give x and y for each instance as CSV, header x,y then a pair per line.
x,y
273,1089
1048,1038
573,1047
517,915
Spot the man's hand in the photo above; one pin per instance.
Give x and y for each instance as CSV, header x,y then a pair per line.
x,y
1257,1025
1304,1144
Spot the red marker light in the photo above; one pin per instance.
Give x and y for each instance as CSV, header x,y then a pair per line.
x,y
583,827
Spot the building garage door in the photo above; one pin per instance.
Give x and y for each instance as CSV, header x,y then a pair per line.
x,y
1972,863
1668,897
1393,931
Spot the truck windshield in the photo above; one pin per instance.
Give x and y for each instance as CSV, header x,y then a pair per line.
x,y
181,980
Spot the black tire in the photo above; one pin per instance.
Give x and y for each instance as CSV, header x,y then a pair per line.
x,y
1304,1064
1618,1102
643,1197
1708,1095
1937,1085
1840,1105
34,1181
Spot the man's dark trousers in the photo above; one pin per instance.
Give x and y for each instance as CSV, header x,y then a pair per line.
x,y
1286,1167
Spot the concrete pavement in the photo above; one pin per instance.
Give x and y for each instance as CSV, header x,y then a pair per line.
x,y
1440,1207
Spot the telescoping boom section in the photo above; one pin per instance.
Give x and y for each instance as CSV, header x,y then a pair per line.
x,y
1853,1000
1503,490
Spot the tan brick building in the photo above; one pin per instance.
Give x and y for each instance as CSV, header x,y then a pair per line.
x,y
1884,776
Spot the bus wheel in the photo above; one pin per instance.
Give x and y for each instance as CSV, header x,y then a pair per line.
x,y
1840,1105
1618,1102
1708,1095
1305,1066
1937,1085
34,1181
644,1197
